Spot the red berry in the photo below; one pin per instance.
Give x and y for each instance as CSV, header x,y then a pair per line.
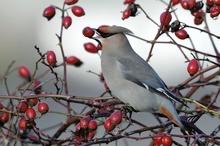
x,y
51,58
198,20
126,14
193,67
184,4
22,124
22,106
4,117
116,117
90,47
72,60
32,101
92,125
167,19
78,11
49,12
181,34
70,2
167,140
43,107
24,71
128,1
108,125
67,21
88,32
158,139
84,122
91,135
214,11
1,105
31,113
174,2
217,2
210,2
191,3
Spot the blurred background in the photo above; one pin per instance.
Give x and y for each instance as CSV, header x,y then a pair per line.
x,y
22,27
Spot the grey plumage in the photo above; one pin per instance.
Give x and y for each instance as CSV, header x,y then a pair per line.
x,y
131,78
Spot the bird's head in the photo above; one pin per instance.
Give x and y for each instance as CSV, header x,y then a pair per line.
x,y
106,32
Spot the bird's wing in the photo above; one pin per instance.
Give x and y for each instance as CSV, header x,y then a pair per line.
x,y
141,73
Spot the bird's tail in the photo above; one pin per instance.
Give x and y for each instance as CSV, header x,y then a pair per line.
x,y
171,113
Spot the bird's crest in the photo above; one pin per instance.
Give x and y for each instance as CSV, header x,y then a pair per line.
x,y
114,30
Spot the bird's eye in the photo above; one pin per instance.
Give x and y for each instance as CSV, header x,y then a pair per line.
x,y
104,35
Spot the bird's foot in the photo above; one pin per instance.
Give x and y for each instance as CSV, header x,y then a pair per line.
x,y
128,109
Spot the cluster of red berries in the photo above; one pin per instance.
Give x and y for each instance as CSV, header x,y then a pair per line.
x,y
77,11
165,19
27,107
131,10
86,129
213,7
195,9
192,5
49,13
162,139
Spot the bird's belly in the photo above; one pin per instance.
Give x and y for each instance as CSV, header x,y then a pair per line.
x,y
138,97
127,91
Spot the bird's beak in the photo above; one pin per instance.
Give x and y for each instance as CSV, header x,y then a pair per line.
x,y
97,37
96,31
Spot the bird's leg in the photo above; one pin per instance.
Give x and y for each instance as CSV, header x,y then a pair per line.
x,y
129,110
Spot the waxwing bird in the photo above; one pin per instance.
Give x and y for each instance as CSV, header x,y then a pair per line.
x,y
131,78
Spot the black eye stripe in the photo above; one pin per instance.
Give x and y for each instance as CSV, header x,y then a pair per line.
x,y
104,35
